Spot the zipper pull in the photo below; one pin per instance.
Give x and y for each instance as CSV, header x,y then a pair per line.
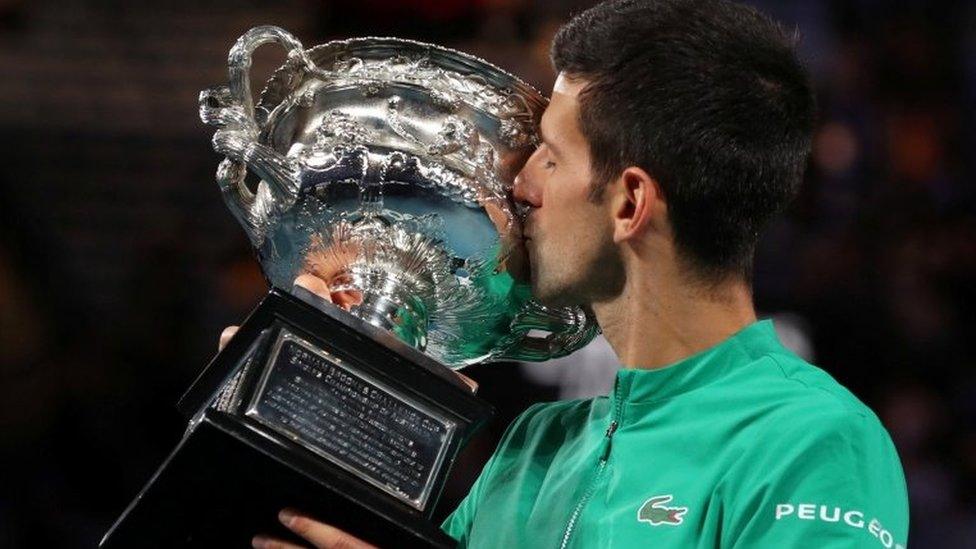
x,y
611,429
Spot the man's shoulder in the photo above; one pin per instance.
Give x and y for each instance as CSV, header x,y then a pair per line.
x,y
802,401
556,414
561,420
812,448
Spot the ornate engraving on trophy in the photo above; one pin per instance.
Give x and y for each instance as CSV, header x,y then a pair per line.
x,y
330,408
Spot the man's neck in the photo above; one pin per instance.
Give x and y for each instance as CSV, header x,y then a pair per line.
x,y
660,318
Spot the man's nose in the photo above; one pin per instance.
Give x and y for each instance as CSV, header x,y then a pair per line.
x,y
525,188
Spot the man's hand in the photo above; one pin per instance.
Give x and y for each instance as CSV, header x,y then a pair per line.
x,y
320,535
311,283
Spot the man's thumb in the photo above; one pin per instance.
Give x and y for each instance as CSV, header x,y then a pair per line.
x,y
225,336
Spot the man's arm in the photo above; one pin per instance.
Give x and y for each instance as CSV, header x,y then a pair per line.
x,y
829,479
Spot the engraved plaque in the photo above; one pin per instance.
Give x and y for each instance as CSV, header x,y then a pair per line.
x,y
357,429
328,406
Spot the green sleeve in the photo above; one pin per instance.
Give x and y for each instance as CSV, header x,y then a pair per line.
x,y
826,479
458,524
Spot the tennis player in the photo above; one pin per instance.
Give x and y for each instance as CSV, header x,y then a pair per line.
x,y
677,129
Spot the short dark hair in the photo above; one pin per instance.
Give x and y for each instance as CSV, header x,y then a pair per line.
x,y
707,96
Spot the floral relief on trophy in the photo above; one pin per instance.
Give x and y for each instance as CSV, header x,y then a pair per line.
x,y
448,88
340,128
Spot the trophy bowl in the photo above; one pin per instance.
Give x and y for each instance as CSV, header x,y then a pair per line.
x,y
385,168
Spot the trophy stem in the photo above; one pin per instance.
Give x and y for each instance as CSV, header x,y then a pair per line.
x,y
392,306
405,316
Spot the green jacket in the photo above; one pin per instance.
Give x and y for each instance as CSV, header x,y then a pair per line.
x,y
742,445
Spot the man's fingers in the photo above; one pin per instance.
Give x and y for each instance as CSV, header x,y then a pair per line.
x,y
472,384
225,337
315,285
321,535
261,542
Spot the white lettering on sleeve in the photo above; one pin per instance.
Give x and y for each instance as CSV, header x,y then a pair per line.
x,y
860,519
833,518
783,509
852,518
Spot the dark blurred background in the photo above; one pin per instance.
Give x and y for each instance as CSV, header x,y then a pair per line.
x,y
119,263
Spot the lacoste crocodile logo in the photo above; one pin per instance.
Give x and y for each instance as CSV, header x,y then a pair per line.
x,y
654,512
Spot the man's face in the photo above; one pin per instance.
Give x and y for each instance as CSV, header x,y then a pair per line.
x,y
568,235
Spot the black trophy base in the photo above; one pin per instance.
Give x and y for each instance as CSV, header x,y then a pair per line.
x,y
217,490
308,408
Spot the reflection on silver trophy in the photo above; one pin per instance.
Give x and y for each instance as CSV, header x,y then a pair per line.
x,y
385,168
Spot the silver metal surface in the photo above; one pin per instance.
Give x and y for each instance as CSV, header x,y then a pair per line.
x,y
385,168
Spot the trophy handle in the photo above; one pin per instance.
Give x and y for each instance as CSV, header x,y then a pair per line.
x,y
231,109
567,329
239,60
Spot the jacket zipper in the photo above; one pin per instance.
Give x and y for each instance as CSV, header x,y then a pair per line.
x,y
601,466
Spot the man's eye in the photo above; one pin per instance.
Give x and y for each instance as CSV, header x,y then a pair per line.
x,y
550,164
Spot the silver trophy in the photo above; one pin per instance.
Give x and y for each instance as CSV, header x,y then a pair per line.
x,y
382,168
386,168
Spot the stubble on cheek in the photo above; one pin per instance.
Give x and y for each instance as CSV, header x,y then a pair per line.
x,y
576,272
547,274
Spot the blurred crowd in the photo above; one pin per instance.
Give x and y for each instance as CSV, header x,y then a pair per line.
x,y
119,263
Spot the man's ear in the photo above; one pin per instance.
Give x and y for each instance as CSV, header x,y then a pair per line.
x,y
638,204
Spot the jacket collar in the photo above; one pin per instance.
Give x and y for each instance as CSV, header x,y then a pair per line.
x,y
745,346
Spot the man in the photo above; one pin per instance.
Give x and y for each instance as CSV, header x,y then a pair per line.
x,y
676,130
